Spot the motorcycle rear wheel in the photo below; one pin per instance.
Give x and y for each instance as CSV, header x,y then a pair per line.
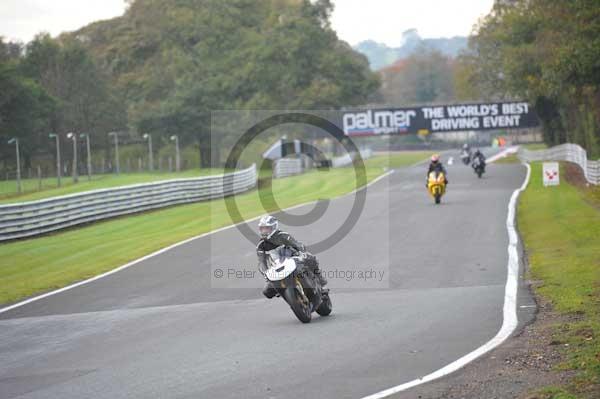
x,y
438,198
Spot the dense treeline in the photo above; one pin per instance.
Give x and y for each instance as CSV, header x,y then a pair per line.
x,y
52,86
547,51
426,76
163,66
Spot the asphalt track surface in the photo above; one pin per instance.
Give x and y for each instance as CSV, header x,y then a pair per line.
x,y
160,329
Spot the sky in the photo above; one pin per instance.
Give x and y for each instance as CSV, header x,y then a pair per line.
x,y
354,20
385,20
23,19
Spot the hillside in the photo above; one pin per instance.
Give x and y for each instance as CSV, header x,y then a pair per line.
x,y
381,55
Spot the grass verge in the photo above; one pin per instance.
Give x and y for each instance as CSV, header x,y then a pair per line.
x,y
514,159
534,146
40,264
32,191
508,159
398,159
560,230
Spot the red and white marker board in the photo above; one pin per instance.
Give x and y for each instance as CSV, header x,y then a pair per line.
x,y
551,174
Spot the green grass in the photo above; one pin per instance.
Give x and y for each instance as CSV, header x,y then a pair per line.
x,y
534,146
49,189
398,159
560,230
41,264
514,159
551,393
508,159
8,188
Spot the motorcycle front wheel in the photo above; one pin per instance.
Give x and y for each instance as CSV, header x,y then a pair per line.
x,y
298,301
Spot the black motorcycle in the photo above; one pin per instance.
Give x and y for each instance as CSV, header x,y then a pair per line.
x,y
478,166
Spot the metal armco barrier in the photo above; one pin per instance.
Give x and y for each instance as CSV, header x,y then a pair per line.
x,y
28,219
566,152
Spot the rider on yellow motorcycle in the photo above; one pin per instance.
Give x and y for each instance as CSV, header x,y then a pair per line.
x,y
436,166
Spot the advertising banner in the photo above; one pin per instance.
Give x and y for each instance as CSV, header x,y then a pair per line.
x,y
439,118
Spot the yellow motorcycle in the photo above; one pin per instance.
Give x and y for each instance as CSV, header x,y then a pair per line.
x,y
436,184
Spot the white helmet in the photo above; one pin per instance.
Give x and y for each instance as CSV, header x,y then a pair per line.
x,y
267,226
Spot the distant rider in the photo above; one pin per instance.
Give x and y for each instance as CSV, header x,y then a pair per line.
x,y
465,155
479,155
436,166
272,237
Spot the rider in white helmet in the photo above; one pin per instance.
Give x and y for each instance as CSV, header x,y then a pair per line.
x,y
272,237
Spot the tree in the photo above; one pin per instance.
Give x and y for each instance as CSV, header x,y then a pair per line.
x,y
85,102
424,77
10,50
176,61
545,51
25,108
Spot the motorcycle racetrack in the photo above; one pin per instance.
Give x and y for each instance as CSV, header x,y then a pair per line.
x,y
161,329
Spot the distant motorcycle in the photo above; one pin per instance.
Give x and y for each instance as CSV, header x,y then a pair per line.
x,y
296,284
436,184
478,166
465,156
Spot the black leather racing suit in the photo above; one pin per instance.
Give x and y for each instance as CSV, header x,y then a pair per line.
x,y
481,157
277,239
478,155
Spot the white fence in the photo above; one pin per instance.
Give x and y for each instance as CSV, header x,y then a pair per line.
x,y
347,159
37,217
287,167
293,166
566,152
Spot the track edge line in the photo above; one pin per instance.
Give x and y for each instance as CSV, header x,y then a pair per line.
x,y
510,318
168,248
